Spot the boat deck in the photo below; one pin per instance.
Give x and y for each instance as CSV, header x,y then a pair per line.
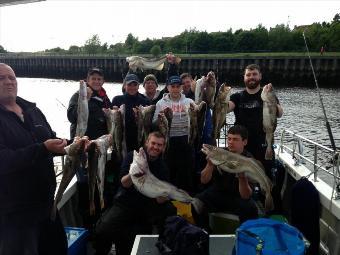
x,y
218,245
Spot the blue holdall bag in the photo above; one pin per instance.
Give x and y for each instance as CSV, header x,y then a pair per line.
x,y
268,237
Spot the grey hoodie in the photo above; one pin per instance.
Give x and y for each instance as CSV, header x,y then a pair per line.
x,y
180,121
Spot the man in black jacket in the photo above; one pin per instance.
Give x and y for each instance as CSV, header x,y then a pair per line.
x,y
27,178
133,213
96,127
131,98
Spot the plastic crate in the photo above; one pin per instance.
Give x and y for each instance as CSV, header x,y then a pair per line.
x,y
76,240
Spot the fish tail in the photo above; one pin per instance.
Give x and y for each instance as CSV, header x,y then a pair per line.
x,y
269,203
102,203
269,150
269,153
92,208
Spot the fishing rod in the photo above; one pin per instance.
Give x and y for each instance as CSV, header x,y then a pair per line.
x,y
330,134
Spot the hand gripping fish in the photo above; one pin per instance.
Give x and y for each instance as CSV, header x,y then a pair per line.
x,y
144,63
220,110
235,163
269,118
74,159
147,184
205,89
82,110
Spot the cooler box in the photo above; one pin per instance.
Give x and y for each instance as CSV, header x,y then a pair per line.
x,y
76,240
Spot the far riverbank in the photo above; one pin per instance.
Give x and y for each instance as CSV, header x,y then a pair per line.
x,y
287,70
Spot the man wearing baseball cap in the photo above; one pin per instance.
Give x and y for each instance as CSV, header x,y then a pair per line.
x,y
131,98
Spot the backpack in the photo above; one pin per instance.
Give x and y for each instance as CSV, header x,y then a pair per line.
x,y
268,237
179,237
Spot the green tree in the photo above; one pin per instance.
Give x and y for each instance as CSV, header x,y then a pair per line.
x,y
260,38
130,41
280,38
56,50
93,45
2,50
74,49
155,50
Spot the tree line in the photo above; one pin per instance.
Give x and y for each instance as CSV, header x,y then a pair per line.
x,y
276,39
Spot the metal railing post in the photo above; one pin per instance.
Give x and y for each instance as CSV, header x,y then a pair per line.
x,y
315,162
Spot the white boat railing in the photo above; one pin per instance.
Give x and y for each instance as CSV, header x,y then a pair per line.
x,y
294,144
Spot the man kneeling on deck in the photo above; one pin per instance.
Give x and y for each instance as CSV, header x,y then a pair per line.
x,y
227,193
133,213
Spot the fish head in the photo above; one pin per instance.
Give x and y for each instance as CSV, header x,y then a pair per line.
x,y
208,149
215,154
140,159
268,94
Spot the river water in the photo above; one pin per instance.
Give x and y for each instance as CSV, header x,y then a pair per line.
x,y
302,109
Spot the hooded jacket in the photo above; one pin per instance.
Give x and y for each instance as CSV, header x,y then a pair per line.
x,y
27,178
180,121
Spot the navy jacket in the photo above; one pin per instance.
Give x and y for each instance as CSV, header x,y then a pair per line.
x,y
130,121
27,178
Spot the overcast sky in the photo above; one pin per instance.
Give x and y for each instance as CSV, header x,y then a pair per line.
x,y
62,23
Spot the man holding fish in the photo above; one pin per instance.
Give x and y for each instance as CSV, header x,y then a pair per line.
x,y
27,178
228,192
94,127
133,213
257,109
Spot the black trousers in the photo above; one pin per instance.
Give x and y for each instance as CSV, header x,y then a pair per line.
x,y
180,162
120,224
45,237
219,201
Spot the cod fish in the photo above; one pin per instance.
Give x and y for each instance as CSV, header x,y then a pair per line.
x,y
73,161
103,143
122,111
143,115
82,110
115,121
193,109
147,184
92,170
202,109
196,119
139,122
163,126
136,62
235,163
205,89
220,110
269,119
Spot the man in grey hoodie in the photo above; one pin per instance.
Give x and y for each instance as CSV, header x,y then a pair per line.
x,y
180,170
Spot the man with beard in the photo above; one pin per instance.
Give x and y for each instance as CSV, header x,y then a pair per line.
x,y
248,109
133,213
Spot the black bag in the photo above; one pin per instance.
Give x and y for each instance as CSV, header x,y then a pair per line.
x,y
179,237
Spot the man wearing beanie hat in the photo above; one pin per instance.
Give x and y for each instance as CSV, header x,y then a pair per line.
x,y
150,85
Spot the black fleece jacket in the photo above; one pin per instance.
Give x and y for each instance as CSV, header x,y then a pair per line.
x,y
27,178
96,124
130,122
